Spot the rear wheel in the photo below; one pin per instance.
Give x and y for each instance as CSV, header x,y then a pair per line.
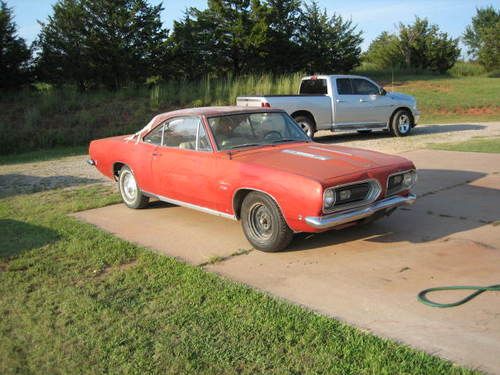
x,y
402,122
306,124
129,190
263,223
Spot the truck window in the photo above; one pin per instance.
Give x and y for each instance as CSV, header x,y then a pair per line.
x,y
344,86
313,87
364,87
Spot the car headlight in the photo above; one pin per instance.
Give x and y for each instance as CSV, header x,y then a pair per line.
x,y
401,181
328,198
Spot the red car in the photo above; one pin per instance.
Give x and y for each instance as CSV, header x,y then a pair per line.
x,y
257,166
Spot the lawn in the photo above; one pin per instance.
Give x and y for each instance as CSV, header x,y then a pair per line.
x,y
74,299
480,144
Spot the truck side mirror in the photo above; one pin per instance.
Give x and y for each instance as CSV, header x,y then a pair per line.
x,y
382,91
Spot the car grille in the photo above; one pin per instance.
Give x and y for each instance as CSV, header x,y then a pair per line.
x,y
355,195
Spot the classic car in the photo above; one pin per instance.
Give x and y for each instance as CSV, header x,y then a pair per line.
x,y
256,166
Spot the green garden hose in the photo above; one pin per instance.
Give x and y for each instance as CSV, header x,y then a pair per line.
x,y
422,296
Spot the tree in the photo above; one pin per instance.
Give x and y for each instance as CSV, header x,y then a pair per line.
x,y
384,51
108,42
328,44
14,54
417,46
482,37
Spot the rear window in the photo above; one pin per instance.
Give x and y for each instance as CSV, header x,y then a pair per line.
x,y
313,87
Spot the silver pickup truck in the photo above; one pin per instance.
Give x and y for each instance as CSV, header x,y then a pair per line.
x,y
343,102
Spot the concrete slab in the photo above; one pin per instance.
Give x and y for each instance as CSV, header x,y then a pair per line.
x,y
179,232
368,276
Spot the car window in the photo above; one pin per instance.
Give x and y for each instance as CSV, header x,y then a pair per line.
x,y
363,87
344,86
313,87
254,129
155,136
184,132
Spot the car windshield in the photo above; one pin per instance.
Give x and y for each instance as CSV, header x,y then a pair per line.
x,y
254,129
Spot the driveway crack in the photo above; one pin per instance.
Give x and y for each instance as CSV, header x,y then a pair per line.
x,y
219,259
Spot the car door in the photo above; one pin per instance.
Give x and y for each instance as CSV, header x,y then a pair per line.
x,y
349,109
374,107
183,165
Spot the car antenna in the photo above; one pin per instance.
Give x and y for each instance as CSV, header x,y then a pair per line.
x,y
230,154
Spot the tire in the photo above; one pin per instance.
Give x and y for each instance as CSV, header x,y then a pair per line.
x,y
129,190
402,123
263,223
306,124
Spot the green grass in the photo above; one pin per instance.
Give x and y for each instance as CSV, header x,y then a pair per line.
x,y
74,299
43,155
489,145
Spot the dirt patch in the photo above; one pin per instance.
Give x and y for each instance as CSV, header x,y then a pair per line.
x,y
469,111
100,274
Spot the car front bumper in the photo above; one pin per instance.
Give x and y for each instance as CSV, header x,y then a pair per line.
x,y
333,220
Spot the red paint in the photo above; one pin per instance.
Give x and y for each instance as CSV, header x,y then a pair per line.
x,y
211,179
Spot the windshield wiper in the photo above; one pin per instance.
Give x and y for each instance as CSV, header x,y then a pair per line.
x,y
287,140
246,145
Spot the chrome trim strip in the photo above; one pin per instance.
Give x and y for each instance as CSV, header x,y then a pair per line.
x,y
333,220
306,154
190,205
329,150
400,190
372,196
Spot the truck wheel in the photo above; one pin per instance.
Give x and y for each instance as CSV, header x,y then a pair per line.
x,y
402,123
306,124
263,224
130,192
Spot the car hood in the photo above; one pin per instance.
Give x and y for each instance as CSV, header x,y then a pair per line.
x,y
321,162
401,97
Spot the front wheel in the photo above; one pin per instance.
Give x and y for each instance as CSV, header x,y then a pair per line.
x,y
402,123
263,224
131,194
306,124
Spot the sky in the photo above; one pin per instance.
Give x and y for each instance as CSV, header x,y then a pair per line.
x,y
371,16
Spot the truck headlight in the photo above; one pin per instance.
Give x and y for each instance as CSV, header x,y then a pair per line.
x,y
328,198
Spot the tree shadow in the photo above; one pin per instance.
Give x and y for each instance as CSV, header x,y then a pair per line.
x,y
15,183
380,134
17,237
447,204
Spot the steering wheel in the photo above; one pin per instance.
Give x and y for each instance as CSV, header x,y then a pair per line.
x,y
272,135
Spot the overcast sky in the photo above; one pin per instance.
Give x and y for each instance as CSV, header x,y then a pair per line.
x,y
371,16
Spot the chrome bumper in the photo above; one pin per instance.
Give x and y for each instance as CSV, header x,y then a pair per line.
x,y
333,220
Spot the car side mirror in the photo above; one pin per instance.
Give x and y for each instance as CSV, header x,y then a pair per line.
x,y
382,91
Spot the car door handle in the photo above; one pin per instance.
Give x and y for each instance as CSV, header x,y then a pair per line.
x,y
340,101
362,100
156,154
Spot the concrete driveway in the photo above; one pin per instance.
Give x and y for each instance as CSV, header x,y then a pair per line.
x,y
367,276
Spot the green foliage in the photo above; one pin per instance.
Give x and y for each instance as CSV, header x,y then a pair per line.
x,y
483,37
101,42
327,44
14,54
479,144
417,46
466,68
274,36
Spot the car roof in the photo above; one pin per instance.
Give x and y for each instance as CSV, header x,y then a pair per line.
x,y
217,110
205,111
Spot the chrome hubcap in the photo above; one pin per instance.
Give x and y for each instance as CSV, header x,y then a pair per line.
x,y
129,187
260,221
404,124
